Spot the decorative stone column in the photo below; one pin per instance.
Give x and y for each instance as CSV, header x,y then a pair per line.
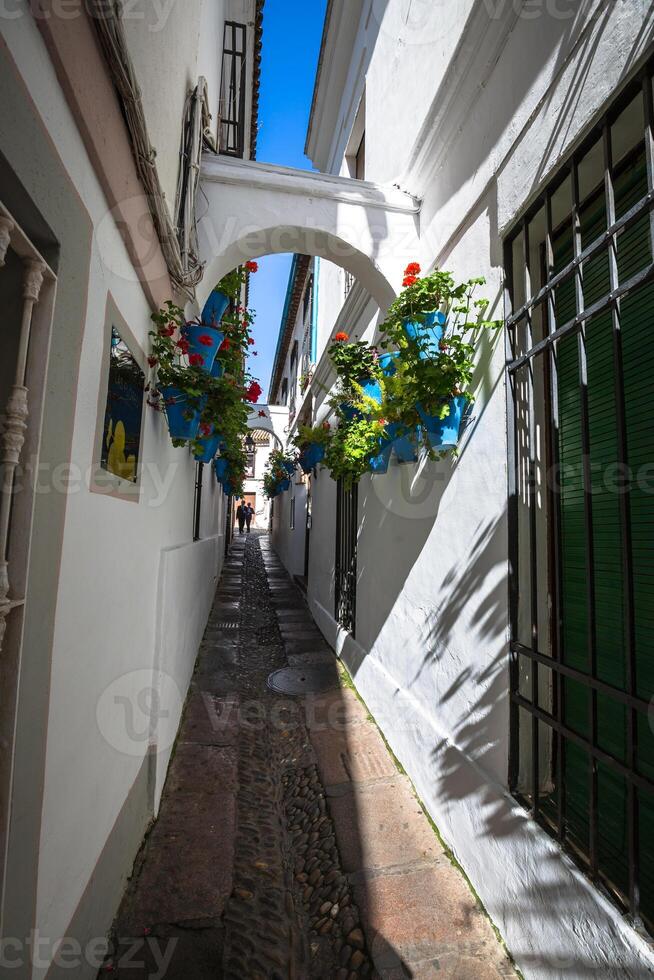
x,y
6,225
15,421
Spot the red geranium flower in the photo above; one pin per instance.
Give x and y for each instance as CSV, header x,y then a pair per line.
x,y
225,344
253,393
205,429
167,331
196,360
262,414
252,266
206,340
251,341
152,361
409,280
183,345
341,337
413,269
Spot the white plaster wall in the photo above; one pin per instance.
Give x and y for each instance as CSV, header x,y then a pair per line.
x,y
135,591
171,45
430,656
289,542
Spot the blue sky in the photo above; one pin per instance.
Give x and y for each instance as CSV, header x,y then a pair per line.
x,y
291,45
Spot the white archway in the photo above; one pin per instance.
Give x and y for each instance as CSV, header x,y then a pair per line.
x,y
258,209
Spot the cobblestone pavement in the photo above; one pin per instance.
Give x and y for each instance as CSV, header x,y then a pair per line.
x,y
288,844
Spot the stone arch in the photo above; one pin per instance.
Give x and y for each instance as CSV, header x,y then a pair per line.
x,y
255,209
303,241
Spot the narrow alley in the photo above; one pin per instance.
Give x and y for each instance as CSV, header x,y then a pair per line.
x,y
288,842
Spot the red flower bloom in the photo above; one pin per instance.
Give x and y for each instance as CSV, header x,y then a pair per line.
x,y
251,341
409,280
254,392
183,346
341,337
262,415
413,269
205,429
206,340
167,331
196,360
225,344
152,361
252,266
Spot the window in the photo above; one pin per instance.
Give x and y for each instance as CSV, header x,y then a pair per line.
x,y
284,393
580,296
197,504
294,366
233,90
292,514
121,436
307,301
347,526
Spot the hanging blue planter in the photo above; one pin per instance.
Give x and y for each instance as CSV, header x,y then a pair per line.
x,y
289,467
218,369
443,434
221,468
228,490
183,419
284,485
207,351
311,456
428,331
211,445
388,363
403,442
215,307
379,463
371,389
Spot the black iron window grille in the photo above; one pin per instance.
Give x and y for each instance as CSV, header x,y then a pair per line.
x,y
233,90
580,320
347,528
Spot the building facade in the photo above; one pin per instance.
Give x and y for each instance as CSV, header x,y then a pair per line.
x,y
494,610
114,541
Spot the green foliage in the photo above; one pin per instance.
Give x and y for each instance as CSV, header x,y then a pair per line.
x,y
351,446
313,435
353,361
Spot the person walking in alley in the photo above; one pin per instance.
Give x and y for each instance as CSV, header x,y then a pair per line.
x,y
241,516
249,515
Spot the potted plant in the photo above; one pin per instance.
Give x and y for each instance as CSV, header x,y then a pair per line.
x,y
354,444
434,325
357,367
311,443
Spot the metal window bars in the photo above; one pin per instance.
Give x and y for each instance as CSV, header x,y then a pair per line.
x,y
233,90
347,527
568,767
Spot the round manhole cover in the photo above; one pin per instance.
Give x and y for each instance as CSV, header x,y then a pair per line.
x,y
303,680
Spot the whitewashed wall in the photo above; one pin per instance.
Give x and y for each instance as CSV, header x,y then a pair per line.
x,y
472,121
135,590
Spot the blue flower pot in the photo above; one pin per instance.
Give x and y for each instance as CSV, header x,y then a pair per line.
x,y
443,434
215,307
311,456
192,332
427,332
211,445
218,369
388,363
228,489
371,389
379,463
403,442
289,467
221,468
183,419
284,485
